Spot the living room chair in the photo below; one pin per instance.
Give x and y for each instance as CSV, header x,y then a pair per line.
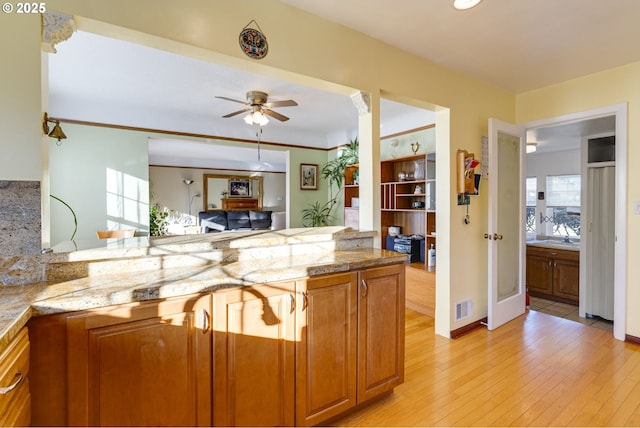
x,y
106,234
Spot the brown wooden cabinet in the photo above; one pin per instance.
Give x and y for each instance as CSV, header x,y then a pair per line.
x,y
553,273
300,353
326,348
539,272
143,364
15,399
351,347
381,302
566,275
240,204
277,354
254,362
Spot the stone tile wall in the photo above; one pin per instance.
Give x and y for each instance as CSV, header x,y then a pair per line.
x,y
20,218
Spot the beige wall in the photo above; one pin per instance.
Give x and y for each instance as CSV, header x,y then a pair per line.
x,y
169,190
20,109
611,87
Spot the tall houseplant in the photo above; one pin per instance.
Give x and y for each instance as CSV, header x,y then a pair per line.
x,y
319,214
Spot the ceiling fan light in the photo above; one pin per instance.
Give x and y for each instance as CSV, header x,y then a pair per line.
x,y
465,4
260,118
256,118
532,147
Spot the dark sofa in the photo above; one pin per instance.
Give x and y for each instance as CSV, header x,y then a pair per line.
x,y
221,220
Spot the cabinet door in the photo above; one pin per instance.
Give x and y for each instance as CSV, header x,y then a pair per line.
x,y
141,365
566,278
539,274
326,348
254,351
381,300
15,400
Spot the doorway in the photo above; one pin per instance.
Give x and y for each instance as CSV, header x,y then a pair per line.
x,y
586,124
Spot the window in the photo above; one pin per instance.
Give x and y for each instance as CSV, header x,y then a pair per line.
x,y
563,206
531,190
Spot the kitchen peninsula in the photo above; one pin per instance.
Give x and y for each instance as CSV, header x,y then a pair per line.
x,y
288,327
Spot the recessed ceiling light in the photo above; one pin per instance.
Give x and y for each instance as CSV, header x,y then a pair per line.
x,y
465,4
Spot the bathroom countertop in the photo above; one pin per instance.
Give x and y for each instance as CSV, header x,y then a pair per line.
x,y
554,244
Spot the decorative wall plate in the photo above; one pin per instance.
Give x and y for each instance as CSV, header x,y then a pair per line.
x,y
253,43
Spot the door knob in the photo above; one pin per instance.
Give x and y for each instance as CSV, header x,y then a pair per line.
x,y
487,236
496,236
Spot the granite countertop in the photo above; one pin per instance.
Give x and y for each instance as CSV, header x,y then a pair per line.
x,y
20,302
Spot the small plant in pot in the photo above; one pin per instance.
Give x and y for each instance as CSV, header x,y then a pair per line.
x,y
319,214
157,220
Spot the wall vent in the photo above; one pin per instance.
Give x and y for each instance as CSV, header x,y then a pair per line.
x,y
464,309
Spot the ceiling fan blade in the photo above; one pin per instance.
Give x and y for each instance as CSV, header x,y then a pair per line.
x,y
231,99
285,103
235,113
280,117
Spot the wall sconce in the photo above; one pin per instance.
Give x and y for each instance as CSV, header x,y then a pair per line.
x,y
56,132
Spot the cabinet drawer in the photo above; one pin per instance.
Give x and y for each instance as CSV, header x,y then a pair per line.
x,y
14,369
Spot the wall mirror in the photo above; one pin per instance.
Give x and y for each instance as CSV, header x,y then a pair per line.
x,y
219,187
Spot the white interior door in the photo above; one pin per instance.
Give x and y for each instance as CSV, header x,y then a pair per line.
x,y
506,232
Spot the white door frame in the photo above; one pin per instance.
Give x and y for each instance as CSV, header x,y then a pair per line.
x,y
620,276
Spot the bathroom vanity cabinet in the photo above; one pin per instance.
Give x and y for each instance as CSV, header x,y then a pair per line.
x,y
553,273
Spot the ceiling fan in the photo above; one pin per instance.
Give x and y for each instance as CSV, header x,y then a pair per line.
x,y
259,108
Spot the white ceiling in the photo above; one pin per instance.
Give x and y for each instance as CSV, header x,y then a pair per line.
x,y
567,136
515,44
518,45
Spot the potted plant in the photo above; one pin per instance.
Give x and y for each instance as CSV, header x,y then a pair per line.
x,y
157,220
319,214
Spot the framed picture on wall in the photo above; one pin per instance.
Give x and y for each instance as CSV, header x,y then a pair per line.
x,y
308,176
239,189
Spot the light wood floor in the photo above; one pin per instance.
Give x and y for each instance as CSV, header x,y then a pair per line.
x,y
536,370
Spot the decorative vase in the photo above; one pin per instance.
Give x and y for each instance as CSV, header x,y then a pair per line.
x,y
418,170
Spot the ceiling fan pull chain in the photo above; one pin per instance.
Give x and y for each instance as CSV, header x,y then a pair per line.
x,y
258,134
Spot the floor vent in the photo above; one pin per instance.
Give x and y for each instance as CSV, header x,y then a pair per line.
x,y
464,309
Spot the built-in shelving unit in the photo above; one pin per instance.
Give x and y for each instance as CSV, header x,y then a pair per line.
x,y
408,195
